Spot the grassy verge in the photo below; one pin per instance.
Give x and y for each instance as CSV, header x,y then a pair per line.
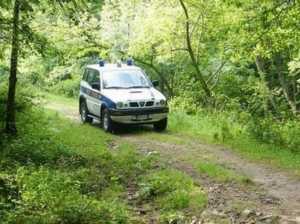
x,y
220,130
72,102
220,173
57,171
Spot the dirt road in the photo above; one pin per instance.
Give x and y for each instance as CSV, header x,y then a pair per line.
x,y
270,196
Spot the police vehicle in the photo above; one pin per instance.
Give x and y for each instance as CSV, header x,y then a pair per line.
x,y
121,94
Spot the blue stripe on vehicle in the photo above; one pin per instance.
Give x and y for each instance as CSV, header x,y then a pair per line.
x,y
108,102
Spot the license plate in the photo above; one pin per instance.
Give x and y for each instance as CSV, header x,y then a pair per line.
x,y
142,117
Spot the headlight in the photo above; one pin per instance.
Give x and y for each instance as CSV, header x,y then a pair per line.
x,y
162,103
120,105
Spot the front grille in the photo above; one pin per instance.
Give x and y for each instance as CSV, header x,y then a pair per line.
x,y
149,104
141,104
133,104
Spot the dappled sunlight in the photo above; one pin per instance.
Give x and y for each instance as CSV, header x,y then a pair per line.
x,y
137,112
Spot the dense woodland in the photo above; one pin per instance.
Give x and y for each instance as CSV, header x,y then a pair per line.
x,y
233,65
237,56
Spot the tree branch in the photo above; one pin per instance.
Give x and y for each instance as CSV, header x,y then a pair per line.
x,y
191,52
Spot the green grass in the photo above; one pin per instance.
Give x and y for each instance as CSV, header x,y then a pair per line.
x,y
220,173
220,129
59,171
172,191
61,99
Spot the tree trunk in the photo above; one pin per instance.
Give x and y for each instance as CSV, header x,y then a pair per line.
x,y
191,52
285,86
10,112
261,71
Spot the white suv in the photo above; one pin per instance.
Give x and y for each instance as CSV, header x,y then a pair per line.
x,y
121,93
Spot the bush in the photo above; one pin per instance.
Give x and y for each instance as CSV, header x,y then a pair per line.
x,y
265,130
183,104
64,80
290,133
36,144
282,133
129,164
26,97
9,193
233,125
69,88
53,197
172,190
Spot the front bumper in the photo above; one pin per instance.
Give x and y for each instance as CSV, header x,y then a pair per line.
x,y
139,116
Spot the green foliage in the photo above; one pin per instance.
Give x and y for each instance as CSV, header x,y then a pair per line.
x,y
219,172
290,132
247,52
24,100
57,171
172,190
69,88
184,104
266,140
52,196
284,134
232,123
241,50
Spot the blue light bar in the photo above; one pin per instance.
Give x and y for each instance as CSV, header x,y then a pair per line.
x,y
130,62
101,63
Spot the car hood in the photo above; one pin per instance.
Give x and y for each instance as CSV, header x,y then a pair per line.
x,y
127,95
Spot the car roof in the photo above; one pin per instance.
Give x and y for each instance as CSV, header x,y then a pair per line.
x,y
109,67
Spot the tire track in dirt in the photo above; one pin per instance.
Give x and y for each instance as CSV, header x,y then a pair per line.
x,y
276,193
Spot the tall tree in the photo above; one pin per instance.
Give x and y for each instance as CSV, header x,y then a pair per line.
x,y
191,51
11,112
24,9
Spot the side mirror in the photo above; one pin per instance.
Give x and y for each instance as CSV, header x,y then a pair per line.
x,y
155,83
96,86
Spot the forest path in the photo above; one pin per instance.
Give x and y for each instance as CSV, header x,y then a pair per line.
x,y
272,196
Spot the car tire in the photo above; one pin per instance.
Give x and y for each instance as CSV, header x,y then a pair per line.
x,y
161,125
107,124
84,113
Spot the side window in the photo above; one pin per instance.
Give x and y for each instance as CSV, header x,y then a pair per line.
x,y
93,79
85,75
89,77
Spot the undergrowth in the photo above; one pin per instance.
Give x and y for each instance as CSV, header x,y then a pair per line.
x,y
275,143
57,171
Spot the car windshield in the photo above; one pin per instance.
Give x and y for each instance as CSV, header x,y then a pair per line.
x,y
125,79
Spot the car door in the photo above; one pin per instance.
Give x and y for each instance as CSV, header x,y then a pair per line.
x,y
85,86
93,99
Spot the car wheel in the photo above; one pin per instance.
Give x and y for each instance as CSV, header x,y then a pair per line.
x,y
84,113
161,125
107,124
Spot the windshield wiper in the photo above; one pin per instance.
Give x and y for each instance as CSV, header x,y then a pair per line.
x,y
137,87
115,87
